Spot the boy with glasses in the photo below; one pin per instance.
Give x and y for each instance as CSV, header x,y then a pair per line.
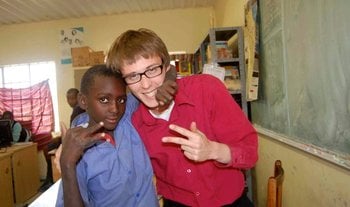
x,y
200,142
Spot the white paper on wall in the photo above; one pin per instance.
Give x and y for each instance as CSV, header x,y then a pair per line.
x,y
70,38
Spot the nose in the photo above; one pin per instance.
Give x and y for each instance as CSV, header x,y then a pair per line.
x,y
145,82
113,106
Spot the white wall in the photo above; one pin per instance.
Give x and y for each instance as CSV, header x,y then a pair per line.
x,y
23,43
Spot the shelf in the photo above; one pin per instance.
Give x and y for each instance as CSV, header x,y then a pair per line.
x,y
231,60
224,46
235,92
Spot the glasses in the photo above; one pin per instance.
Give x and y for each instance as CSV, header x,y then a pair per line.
x,y
149,73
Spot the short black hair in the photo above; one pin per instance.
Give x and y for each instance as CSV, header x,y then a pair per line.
x,y
8,113
73,91
97,70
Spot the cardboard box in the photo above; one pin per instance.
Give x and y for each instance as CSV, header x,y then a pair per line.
x,y
97,58
80,56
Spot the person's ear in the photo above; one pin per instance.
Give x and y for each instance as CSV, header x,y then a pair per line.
x,y
82,101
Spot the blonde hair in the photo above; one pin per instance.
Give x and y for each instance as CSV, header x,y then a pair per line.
x,y
134,44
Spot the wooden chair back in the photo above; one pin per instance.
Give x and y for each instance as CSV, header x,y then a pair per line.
x,y
275,183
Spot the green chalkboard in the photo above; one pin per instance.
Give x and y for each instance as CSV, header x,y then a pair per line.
x,y
304,89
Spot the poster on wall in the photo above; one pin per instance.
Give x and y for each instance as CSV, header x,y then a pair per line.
x,y
70,38
251,43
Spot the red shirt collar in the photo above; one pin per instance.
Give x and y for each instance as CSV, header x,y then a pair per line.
x,y
110,139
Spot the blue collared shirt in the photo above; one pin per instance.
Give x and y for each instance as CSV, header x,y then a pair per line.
x,y
118,175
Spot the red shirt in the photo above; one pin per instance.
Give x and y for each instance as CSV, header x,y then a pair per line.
x,y
205,100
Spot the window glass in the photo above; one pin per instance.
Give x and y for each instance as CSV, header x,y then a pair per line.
x,y
25,75
16,76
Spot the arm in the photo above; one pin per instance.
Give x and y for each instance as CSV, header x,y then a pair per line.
x,y
75,141
71,193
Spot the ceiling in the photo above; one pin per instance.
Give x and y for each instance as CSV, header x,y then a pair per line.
x,y
27,11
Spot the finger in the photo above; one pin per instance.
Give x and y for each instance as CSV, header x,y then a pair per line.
x,y
94,128
193,128
91,140
176,140
190,156
167,90
97,137
161,103
183,131
170,91
187,149
160,96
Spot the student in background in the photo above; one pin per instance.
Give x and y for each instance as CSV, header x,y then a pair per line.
x,y
116,170
200,142
72,100
19,133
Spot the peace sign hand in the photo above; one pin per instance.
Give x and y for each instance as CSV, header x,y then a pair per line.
x,y
76,140
196,147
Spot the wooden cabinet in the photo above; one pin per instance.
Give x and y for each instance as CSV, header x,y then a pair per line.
x,y
55,173
25,170
21,173
6,190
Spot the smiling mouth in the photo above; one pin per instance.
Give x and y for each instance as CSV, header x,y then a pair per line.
x,y
112,120
150,94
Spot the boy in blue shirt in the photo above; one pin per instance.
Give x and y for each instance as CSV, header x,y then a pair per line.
x,y
116,170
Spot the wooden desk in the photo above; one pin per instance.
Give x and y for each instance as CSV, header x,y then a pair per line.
x,y
23,159
55,173
6,189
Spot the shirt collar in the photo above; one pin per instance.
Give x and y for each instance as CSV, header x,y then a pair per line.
x,y
110,139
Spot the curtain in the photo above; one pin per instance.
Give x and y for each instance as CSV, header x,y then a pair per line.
x,y
33,108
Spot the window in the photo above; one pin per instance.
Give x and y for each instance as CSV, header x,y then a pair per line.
x,y
18,83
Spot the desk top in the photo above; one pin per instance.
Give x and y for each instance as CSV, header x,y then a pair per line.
x,y
4,154
48,198
8,151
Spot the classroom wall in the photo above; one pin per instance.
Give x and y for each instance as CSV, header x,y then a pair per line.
x,y
181,30
229,13
309,181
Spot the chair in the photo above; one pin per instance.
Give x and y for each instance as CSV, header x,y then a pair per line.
x,y
275,183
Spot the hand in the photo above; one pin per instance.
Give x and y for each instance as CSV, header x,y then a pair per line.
x,y
57,158
166,92
168,89
76,140
59,149
196,147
